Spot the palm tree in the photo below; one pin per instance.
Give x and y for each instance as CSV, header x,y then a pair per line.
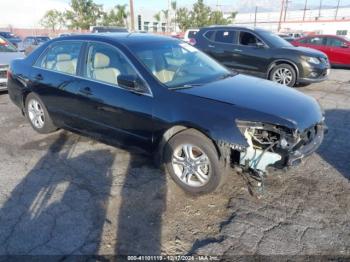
x,y
122,14
157,18
174,8
166,16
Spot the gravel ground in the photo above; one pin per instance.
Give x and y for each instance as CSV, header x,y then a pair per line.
x,y
64,194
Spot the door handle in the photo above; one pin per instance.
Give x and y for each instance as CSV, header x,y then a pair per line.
x,y
211,46
39,77
237,50
85,91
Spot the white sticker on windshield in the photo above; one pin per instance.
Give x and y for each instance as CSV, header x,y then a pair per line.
x,y
188,47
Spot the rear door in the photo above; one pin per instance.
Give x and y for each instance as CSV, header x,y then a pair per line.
x,y
54,78
338,51
221,46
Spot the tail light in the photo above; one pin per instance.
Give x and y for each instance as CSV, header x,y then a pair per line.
x,y
8,73
192,41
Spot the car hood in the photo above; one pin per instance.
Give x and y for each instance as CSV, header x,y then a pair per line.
x,y
306,51
266,97
7,57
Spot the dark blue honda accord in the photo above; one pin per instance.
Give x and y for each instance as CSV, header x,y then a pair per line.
x,y
165,96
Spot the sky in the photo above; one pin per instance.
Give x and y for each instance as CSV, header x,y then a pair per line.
x,y
27,13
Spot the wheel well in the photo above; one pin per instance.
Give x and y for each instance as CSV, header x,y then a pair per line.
x,y
280,62
24,97
168,134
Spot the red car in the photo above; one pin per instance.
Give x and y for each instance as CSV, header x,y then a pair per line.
x,y
337,48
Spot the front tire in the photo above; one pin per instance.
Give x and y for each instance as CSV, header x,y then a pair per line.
x,y
193,162
284,74
37,115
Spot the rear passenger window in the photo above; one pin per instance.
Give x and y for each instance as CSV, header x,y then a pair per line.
x,y
105,63
62,57
331,41
225,36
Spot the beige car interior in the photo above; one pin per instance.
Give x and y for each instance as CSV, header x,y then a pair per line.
x,y
63,63
163,74
102,70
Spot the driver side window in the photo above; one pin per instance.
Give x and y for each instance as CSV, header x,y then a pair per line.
x,y
105,64
248,39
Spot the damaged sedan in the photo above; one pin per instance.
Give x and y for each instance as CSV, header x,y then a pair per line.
x,y
195,116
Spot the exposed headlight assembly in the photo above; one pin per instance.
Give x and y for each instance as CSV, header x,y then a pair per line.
x,y
265,143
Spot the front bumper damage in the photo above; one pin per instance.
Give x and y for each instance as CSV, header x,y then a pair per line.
x,y
278,152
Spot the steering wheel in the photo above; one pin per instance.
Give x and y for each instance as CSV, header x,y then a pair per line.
x,y
179,70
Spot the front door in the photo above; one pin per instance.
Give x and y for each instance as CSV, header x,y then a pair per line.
x,y
252,54
109,107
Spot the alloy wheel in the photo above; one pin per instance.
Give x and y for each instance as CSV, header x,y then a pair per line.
x,y
191,165
282,76
36,113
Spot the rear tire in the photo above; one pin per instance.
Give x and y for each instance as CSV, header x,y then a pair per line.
x,y
284,74
193,162
37,115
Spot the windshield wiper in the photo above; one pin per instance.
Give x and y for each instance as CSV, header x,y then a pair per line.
x,y
224,76
184,86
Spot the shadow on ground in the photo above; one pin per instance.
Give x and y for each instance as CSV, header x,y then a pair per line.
x,y
335,148
60,207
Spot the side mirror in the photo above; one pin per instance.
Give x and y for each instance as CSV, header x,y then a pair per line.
x,y
260,45
131,82
345,45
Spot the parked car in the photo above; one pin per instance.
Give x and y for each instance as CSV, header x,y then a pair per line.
x,y
108,29
262,53
12,38
31,42
189,36
8,52
288,38
171,100
337,48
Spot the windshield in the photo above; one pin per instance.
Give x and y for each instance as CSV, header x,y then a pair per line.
x,y
6,46
179,65
274,40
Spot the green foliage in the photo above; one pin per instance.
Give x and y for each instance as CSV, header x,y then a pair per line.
x,y
83,14
116,17
217,18
183,18
53,19
157,17
201,15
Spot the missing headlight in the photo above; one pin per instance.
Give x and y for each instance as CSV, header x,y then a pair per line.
x,y
267,144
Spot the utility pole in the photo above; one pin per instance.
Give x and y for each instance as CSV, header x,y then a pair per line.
x,y
319,11
336,10
281,14
132,16
256,11
286,9
305,7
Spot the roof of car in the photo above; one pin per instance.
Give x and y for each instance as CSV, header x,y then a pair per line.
x,y
234,27
123,38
